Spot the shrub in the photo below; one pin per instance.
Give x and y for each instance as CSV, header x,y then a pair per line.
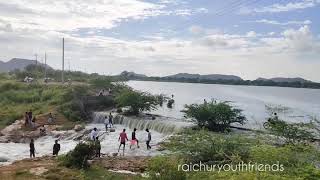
x,y
137,101
166,168
293,133
214,116
209,147
102,83
78,158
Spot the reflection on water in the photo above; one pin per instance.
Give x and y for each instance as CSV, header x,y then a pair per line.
x,y
292,104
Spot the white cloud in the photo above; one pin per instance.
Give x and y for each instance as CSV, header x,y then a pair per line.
x,y
277,7
271,33
196,29
251,34
273,22
70,15
297,41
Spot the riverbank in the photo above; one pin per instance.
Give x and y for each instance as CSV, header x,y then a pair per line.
x,y
48,168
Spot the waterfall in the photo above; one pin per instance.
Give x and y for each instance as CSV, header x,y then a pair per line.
x,y
160,124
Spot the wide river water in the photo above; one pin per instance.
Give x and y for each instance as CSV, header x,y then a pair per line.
x,y
257,102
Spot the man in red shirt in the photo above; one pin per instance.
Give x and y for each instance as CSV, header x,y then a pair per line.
x,y
123,138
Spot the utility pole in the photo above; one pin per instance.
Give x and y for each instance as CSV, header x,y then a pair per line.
x,y
36,55
62,75
45,65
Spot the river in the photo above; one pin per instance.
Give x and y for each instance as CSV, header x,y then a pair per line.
x,y
257,102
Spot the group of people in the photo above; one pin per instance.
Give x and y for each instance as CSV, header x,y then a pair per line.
x,y
55,149
108,121
30,120
105,93
123,138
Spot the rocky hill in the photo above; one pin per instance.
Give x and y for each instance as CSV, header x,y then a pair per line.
x,y
17,63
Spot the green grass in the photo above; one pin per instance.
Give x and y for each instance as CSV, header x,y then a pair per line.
x,y
16,98
193,146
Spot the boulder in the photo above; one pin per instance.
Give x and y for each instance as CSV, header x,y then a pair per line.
x,y
78,127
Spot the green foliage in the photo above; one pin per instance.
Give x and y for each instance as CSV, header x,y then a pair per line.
x,y
214,116
136,100
211,148
78,158
299,161
165,168
293,133
102,83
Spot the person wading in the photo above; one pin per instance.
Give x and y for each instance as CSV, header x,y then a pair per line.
x,y
56,148
134,139
110,120
123,138
148,139
32,149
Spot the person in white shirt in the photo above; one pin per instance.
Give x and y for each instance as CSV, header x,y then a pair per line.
x,y
94,134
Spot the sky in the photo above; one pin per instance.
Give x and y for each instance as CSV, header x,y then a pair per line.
x,y
247,38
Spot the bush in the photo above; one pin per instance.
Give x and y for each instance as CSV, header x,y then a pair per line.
x,y
78,158
214,116
209,147
293,133
137,101
166,168
102,83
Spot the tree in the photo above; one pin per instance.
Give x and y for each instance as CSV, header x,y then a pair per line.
x,y
214,116
137,101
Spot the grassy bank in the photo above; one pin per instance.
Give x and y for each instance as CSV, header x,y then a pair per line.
x,y
69,102
192,146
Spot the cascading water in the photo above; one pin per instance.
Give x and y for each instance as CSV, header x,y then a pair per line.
x,y
160,124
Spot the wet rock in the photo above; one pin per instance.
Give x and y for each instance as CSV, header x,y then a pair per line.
x,y
78,127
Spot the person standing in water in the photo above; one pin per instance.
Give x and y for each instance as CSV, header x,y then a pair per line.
x,y
94,134
148,139
56,148
110,120
106,122
123,138
32,149
97,147
134,139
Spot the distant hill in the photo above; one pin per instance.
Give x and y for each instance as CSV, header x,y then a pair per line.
x,y
282,79
132,75
17,63
205,77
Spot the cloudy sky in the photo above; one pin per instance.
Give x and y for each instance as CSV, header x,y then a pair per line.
x,y
248,38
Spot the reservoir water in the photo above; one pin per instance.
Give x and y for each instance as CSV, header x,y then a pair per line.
x,y
257,102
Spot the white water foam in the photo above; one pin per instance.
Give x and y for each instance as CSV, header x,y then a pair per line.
x,y
109,143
